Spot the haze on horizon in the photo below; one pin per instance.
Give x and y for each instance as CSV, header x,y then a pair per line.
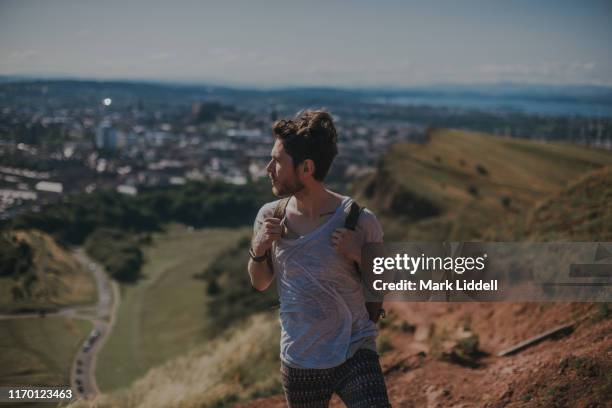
x,y
314,43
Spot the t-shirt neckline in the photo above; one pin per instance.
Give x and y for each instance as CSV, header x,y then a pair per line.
x,y
320,228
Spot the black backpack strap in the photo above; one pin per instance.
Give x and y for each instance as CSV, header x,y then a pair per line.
x,y
353,217
351,223
374,309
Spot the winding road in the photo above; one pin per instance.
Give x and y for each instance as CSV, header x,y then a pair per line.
x,y
102,316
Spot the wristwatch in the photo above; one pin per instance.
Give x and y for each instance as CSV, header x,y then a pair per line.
x,y
256,258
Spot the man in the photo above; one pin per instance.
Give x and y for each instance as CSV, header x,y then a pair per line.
x,y
328,338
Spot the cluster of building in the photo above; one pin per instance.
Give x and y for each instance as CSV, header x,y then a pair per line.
x,y
131,148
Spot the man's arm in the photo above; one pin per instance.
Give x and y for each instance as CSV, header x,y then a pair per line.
x,y
260,272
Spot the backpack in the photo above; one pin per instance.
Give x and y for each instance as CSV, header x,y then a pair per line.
x,y
373,308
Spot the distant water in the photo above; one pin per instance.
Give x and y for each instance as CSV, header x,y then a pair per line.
x,y
548,107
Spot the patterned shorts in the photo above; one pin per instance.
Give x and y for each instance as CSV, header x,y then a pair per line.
x,y
359,383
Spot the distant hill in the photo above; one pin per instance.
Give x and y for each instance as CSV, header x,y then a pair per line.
x,y
580,212
458,183
54,279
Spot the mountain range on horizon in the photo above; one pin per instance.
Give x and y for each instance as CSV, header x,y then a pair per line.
x,y
484,89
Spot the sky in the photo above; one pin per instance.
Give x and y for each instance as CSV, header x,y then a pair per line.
x,y
311,43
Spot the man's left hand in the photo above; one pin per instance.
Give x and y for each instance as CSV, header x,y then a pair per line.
x,y
348,243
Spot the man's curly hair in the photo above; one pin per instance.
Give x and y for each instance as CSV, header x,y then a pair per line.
x,y
310,135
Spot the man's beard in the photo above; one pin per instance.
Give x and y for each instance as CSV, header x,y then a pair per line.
x,y
287,188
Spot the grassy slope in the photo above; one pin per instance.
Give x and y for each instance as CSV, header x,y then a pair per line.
x,y
441,172
162,315
241,364
579,212
39,351
61,280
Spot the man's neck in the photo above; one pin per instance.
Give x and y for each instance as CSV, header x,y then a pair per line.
x,y
315,200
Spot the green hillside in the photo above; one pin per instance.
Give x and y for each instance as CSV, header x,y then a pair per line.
x,y
53,279
458,183
164,313
39,350
581,211
242,364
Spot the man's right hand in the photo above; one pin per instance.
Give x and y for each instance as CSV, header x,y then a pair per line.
x,y
269,232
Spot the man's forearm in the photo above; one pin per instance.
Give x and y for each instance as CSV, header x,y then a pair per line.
x,y
261,274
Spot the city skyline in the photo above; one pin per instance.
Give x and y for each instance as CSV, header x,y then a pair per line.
x,y
340,44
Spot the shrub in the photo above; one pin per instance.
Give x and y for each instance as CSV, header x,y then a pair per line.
x,y
384,344
233,297
15,257
482,170
118,251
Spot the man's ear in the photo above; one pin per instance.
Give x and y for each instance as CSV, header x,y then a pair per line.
x,y
308,167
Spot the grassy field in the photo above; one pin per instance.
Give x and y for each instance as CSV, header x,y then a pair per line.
x,y
39,351
59,279
241,364
163,314
459,182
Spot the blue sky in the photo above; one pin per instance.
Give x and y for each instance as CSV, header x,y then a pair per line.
x,y
330,43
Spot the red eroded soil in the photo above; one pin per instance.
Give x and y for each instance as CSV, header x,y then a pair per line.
x,y
574,370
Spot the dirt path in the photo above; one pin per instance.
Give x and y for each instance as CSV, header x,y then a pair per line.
x,y
571,371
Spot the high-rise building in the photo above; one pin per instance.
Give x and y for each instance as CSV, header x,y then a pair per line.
x,y
106,137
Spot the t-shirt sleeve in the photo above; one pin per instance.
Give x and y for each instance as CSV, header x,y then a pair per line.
x,y
369,223
264,212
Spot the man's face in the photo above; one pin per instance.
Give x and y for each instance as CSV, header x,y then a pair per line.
x,y
282,173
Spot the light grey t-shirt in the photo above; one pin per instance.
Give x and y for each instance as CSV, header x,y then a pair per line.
x,y
322,310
